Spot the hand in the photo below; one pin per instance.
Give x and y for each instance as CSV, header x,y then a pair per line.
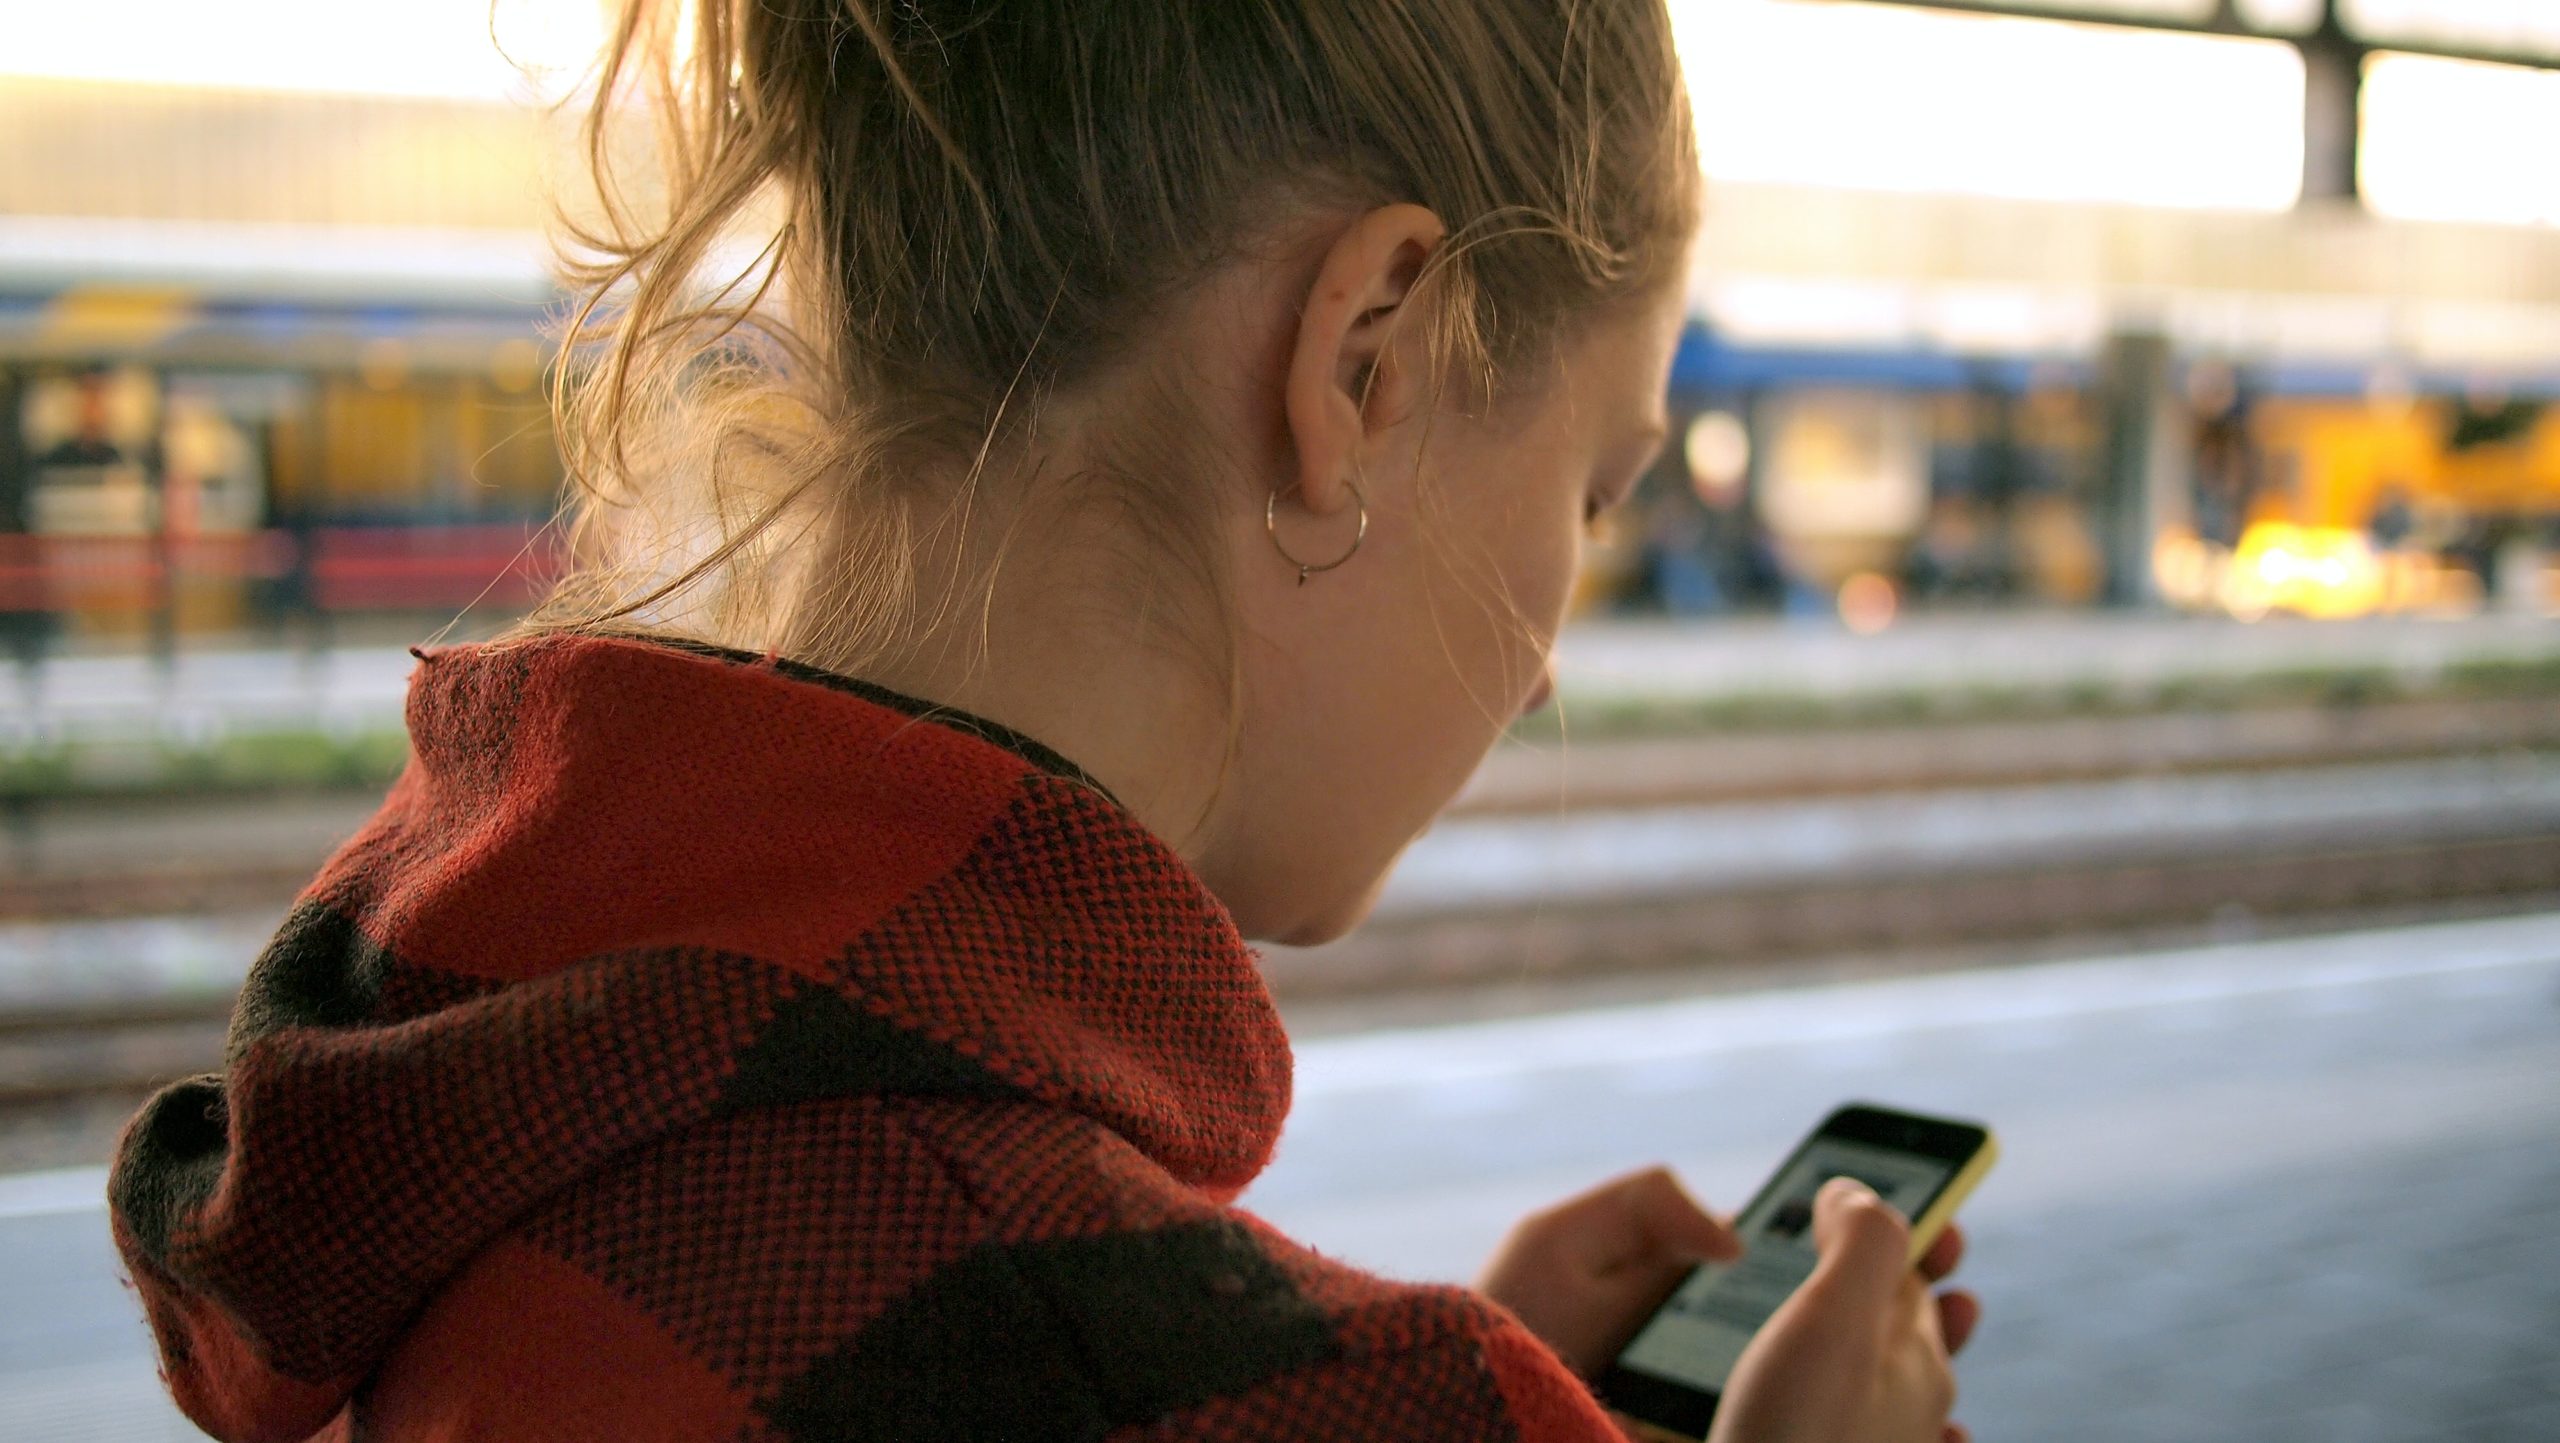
x,y
1583,1274
1860,1351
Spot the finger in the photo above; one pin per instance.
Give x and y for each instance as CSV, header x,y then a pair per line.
x,y
1863,1244
1673,1222
1920,1307
1644,1218
1959,1313
1944,1253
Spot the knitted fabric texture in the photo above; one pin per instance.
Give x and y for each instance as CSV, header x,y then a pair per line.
x,y
695,1048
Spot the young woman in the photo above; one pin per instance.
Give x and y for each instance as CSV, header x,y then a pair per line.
x,y
798,989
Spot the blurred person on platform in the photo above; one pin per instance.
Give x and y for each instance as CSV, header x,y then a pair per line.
x,y
87,483
1677,575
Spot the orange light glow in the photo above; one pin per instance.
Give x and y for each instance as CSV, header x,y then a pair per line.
x,y
1868,603
2187,568
2317,571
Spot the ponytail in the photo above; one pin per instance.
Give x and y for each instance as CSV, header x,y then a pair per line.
x,y
867,237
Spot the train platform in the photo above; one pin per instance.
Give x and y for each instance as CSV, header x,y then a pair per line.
x,y
2298,1189
2099,655
228,686
1611,876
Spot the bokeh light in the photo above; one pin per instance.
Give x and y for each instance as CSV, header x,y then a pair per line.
x,y
1879,98
2447,140
444,49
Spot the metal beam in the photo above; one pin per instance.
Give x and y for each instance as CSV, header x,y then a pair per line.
x,y
2332,110
2225,22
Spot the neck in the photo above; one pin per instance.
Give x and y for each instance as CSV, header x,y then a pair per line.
x,y
1032,625
1067,597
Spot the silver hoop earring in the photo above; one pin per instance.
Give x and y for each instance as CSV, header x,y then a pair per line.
x,y
1271,525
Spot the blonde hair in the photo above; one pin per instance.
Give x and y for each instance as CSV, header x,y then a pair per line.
x,y
959,207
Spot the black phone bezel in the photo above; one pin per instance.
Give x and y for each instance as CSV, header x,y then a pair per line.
x,y
1692,1411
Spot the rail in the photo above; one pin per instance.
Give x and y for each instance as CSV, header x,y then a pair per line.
x,y
69,1074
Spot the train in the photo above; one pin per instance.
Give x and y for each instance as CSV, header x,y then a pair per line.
x,y
308,437
1865,480
236,452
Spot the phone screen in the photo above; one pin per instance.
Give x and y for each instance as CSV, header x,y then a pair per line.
x,y
1696,1337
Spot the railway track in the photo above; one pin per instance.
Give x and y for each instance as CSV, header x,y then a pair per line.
x,y
69,1077
224,853
2476,826
1884,913
1815,762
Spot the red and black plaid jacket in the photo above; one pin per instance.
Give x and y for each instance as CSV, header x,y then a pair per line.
x,y
698,1047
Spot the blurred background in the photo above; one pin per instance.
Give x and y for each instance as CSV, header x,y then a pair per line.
x,y
2089,664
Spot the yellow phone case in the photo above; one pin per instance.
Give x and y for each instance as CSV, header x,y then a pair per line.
x,y
1934,1218
1925,1228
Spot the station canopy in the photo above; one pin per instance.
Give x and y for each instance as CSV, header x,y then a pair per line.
x,y
2524,28
2284,15
2518,29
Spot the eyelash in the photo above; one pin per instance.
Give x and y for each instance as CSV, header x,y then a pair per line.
x,y
1595,517
1599,510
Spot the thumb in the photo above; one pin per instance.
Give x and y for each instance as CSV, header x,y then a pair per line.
x,y
1862,1243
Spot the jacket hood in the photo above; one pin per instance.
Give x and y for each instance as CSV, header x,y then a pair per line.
x,y
625,886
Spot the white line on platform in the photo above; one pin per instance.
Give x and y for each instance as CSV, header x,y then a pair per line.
x,y
43,1194
1411,1058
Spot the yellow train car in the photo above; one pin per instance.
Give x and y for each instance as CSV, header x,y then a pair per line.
x,y
2346,461
2383,503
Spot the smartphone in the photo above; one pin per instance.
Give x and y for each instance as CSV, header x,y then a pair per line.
x,y
1669,1376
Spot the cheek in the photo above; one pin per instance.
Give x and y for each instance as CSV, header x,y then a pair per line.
x,y
1461,647
1408,685
1543,553
1498,596
1560,565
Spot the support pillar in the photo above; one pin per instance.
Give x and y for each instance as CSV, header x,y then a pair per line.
x,y
2146,476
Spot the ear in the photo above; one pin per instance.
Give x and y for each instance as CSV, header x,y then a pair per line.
x,y
1346,382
